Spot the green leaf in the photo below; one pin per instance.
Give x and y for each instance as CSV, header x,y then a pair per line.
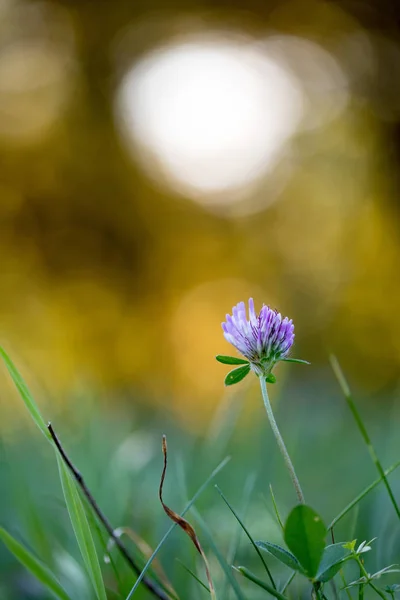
x,y
332,560
305,536
237,375
350,545
296,360
262,584
361,580
385,571
231,360
33,564
24,393
285,557
81,529
270,378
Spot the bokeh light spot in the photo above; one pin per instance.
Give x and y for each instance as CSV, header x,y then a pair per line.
x,y
37,70
214,114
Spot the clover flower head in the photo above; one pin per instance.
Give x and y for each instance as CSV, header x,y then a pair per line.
x,y
263,339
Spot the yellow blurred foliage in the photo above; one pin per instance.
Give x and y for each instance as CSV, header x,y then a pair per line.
x,y
108,276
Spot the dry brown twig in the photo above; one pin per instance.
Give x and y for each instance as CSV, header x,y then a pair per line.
x,y
183,524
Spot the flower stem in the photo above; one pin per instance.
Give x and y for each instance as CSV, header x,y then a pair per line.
x,y
280,441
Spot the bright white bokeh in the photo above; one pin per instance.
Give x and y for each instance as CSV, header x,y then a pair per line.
x,y
209,116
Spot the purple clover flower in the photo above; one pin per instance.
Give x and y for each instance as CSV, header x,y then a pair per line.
x,y
263,339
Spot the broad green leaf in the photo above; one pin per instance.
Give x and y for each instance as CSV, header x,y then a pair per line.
x,y
285,557
237,375
34,565
24,393
81,529
262,584
305,536
231,360
332,560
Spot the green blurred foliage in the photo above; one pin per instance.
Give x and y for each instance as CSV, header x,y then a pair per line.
x,y
119,455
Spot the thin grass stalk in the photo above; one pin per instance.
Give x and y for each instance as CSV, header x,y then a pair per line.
x,y
152,587
350,402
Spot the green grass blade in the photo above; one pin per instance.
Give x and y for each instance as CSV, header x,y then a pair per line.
x,y
248,535
194,576
362,495
288,582
350,402
224,565
262,584
353,524
34,565
172,527
248,490
81,529
278,516
24,393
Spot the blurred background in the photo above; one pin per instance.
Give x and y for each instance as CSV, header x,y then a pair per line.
x,y
159,163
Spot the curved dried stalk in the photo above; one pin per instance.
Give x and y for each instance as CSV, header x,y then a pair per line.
x,y
183,524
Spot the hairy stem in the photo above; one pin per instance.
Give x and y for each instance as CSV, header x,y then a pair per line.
x,y
280,441
152,587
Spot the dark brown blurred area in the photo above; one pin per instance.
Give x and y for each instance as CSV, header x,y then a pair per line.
x,y
146,186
